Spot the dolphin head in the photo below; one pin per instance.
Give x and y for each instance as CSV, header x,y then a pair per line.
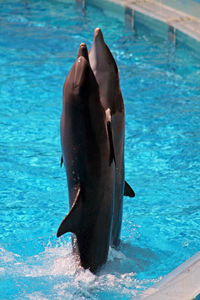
x,y
81,69
80,83
80,72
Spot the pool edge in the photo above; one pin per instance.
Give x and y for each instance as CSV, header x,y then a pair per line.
x,y
182,283
162,19
186,23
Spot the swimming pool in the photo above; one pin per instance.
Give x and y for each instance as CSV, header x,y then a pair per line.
x,y
160,83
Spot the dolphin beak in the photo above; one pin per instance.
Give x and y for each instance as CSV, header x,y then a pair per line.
x,y
83,51
83,45
98,33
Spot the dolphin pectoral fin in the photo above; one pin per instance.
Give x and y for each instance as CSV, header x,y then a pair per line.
x,y
128,190
72,220
110,136
61,161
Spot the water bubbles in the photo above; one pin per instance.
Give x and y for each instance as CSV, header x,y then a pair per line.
x,y
185,244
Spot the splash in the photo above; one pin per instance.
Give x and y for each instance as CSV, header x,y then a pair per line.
x,y
56,273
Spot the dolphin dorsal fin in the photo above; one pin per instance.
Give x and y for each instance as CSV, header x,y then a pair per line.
x,y
110,135
72,220
128,191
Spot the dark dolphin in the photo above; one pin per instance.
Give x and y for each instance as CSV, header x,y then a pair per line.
x,y
88,156
106,72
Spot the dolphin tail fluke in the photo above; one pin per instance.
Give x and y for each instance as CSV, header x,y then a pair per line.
x,y
72,220
128,191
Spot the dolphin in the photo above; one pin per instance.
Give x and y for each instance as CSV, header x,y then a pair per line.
x,y
106,72
88,156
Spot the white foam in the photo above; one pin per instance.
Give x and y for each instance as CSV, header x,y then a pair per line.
x,y
57,268
57,261
36,295
6,256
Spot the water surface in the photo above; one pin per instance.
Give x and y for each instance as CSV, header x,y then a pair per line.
x,y
160,83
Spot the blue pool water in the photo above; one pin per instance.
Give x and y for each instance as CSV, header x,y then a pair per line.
x,y
161,89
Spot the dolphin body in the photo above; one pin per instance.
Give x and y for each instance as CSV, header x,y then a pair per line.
x,y
87,148
106,72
